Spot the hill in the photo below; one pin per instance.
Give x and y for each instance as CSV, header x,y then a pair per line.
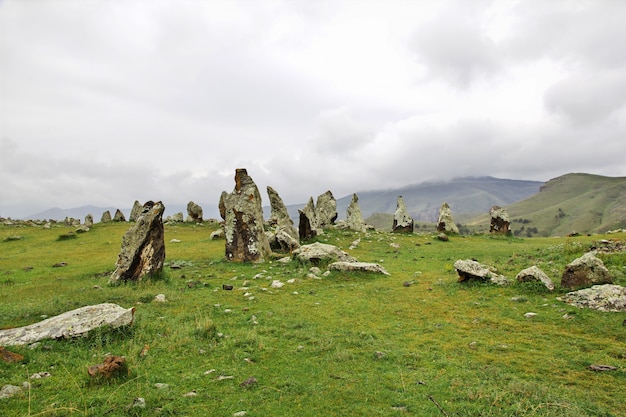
x,y
582,203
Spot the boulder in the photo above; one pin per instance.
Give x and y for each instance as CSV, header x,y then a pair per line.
x,y
354,218
194,212
70,324
469,269
135,212
218,234
317,253
143,246
307,226
177,217
88,220
243,221
357,267
106,217
445,222
499,220
585,271
402,221
119,216
285,241
607,297
326,210
535,274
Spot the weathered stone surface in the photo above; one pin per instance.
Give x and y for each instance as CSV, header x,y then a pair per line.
x,y
88,220
177,217
534,273
354,218
469,269
194,212
317,253
8,356
119,216
607,297
402,221
499,220
106,217
585,271
242,212
326,210
8,391
279,218
69,324
307,227
285,241
143,246
70,221
445,222
135,212
357,267
218,234
110,367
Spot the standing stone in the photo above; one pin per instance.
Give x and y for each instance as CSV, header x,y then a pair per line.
x,y
307,227
402,221
143,246
326,210
445,223
285,233
499,220
354,219
106,217
194,212
119,216
585,271
135,212
177,217
243,221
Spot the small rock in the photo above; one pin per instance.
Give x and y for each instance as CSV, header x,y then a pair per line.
x,y
160,298
139,402
248,382
160,385
602,368
175,241
239,414
39,375
8,391
277,284
530,314
190,394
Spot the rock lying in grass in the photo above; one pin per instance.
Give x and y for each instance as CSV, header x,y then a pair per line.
x,y
69,324
111,366
357,267
7,391
534,273
469,269
318,253
8,356
607,297
585,271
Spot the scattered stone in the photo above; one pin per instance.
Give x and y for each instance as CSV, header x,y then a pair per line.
x,y
69,324
354,244
242,212
227,287
160,385
248,382
534,273
218,234
445,222
499,220
354,218
143,246
277,284
602,368
40,375
119,216
607,297
106,217
443,237
194,212
530,315
239,414
160,298
326,210
402,221
8,391
112,366
135,212
9,357
139,402
82,229
59,265
317,253
469,269
585,271
357,267
190,394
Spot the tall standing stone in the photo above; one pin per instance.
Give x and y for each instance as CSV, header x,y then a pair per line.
x,y
106,217
402,221
354,218
135,212
194,212
445,223
499,220
242,212
307,225
279,216
119,216
143,246
326,210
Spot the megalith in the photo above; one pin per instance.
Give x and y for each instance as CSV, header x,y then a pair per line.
x,y
354,219
242,212
194,212
326,210
88,220
585,271
402,221
445,222
119,216
307,225
284,236
143,246
106,217
135,211
499,220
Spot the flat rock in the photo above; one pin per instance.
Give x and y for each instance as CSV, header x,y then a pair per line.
x,y
357,267
607,297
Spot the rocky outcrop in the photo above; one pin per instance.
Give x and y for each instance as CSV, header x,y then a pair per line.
x,y
106,217
535,274
143,246
69,324
402,221
318,253
585,271
307,226
194,213
469,269
243,221
445,222
119,216
135,212
326,210
605,297
499,220
354,218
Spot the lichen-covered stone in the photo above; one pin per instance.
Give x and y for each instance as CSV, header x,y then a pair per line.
x,y
135,212
585,271
534,273
194,212
445,222
354,218
307,226
402,221
357,267
469,269
326,210
607,297
499,220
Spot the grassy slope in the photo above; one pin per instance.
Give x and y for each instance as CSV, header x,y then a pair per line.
x,y
350,344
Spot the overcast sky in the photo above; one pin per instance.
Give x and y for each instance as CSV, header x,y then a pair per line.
x,y
108,102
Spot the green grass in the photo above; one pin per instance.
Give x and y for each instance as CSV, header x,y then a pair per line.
x,y
345,345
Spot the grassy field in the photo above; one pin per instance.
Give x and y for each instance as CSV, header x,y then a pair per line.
x,y
343,345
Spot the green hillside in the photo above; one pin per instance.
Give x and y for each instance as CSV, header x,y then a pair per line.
x,y
582,203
